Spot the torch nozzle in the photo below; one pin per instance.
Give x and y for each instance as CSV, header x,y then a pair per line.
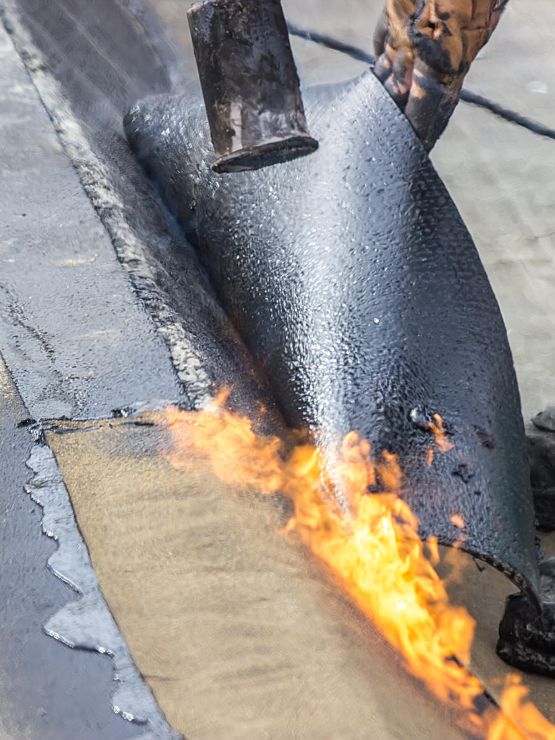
x,y
250,84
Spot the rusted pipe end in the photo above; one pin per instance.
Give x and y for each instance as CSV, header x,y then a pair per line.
x,y
250,83
264,155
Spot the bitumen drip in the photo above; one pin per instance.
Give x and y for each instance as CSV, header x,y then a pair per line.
x,y
86,622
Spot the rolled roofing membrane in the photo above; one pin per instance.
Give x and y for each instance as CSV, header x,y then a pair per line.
x,y
356,286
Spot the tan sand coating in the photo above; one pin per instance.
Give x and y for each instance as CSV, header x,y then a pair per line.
x,y
237,633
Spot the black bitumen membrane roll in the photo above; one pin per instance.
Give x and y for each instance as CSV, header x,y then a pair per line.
x,y
357,288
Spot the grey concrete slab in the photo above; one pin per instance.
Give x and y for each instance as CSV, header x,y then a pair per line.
x,y
47,691
88,67
503,181
76,338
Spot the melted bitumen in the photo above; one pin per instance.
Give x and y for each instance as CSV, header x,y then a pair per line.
x,y
86,622
526,638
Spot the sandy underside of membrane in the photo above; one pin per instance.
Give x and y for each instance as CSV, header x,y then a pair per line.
x,y
238,631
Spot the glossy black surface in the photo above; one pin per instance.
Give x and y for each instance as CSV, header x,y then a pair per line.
x,y
353,280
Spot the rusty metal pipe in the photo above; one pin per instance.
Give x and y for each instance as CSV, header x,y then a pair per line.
x,y
250,83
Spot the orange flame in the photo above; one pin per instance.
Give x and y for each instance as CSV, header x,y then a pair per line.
x,y
518,715
372,548
437,427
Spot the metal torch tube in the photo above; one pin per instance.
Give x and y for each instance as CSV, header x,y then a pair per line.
x,y
250,83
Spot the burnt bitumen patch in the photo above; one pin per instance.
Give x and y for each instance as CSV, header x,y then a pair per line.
x,y
526,638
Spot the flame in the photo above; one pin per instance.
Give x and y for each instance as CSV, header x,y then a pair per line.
x,y
371,547
437,427
517,713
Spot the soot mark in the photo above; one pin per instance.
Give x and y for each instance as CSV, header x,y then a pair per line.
x,y
464,472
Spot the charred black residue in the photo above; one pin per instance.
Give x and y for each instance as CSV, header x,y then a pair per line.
x,y
544,506
526,637
428,420
26,423
463,472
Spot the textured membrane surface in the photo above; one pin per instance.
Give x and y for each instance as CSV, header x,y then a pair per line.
x,y
355,284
